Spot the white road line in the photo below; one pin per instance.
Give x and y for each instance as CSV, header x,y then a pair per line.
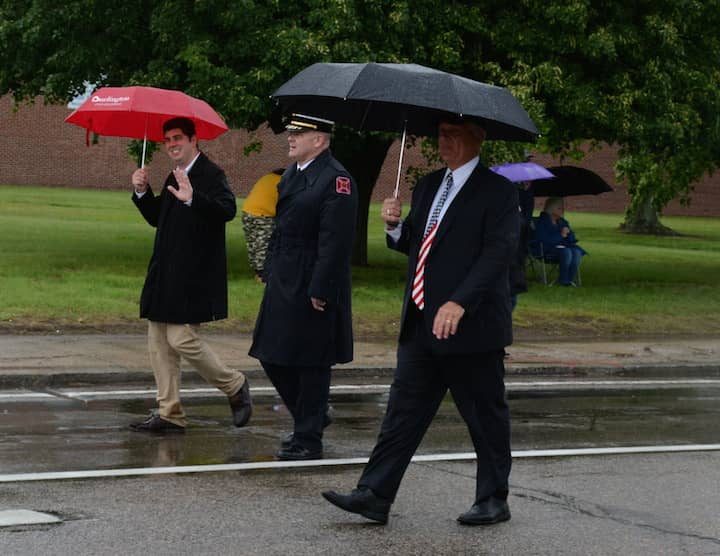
x,y
646,382
341,388
467,456
25,396
369,388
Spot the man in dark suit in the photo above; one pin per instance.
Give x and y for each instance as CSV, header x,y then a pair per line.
x,y
460,237
186,282
305,321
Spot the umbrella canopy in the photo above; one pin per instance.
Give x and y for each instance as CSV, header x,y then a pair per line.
x,y
402,97
139,113
570,180
522,171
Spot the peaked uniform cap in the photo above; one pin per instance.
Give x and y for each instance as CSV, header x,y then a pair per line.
x,y
303,122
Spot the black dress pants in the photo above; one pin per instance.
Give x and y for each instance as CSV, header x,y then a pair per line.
x,y
305,392
421,381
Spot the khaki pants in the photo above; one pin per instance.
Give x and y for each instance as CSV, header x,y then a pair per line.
x,y
167,343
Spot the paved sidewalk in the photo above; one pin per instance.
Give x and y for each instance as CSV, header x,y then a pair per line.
x,y
48,359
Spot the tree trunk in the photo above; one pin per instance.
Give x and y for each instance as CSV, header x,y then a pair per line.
x,y
641,217
363,155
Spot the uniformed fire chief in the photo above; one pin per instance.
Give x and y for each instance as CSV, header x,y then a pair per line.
x,y
305,321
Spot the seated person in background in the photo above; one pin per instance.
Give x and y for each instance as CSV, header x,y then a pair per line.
x,y
558,240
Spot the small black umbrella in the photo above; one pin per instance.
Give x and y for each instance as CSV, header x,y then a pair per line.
x,y
570,180
402,97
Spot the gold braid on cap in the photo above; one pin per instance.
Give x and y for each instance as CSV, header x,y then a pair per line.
x,y
303,124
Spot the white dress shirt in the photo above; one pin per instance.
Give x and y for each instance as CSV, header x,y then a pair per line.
x,y
460,177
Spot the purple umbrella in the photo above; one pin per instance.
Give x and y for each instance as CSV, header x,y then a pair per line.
x,y
522,171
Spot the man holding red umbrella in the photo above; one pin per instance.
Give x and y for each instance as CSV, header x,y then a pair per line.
x,y
186,282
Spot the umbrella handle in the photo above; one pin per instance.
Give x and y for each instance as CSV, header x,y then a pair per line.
x,y
400,160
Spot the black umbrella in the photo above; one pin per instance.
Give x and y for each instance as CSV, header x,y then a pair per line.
x,y
390,97
570,180
402,97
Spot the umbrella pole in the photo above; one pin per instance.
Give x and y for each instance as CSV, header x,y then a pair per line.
x,y
142,163
400,160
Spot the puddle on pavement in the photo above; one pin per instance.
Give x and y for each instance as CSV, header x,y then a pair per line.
x,y
64,435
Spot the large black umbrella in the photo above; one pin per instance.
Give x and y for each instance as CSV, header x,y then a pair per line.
x,y
393,97
570,180
402,97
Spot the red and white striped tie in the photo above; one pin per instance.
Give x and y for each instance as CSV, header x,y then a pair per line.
x,y
418,291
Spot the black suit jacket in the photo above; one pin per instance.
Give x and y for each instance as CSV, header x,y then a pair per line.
x,y
468,262
187,275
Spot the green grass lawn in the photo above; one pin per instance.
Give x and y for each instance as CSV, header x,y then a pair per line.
x,y
76,259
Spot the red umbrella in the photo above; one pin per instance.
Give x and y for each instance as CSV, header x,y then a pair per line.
x,y
139,113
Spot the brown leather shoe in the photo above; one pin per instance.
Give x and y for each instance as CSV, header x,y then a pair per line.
x,y
157,424
241,405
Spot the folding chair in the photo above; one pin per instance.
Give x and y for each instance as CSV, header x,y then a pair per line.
x,y
544,267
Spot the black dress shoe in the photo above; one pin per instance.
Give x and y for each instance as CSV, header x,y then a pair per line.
x,y
489,511
295,452
155,423
286,441
241,405
361,501
288,438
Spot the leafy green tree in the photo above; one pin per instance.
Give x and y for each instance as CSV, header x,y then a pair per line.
x,y
642,75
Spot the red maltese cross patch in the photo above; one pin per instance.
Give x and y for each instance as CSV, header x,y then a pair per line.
x,y
342,185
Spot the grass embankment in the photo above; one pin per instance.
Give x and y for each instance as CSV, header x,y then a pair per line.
x,y
76,259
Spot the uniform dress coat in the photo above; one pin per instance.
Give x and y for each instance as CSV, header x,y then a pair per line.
x,y
309,256
186,280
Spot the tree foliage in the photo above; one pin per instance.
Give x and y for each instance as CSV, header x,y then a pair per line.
x,y
642,75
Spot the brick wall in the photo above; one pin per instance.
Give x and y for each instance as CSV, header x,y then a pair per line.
x,y
38,148
705,200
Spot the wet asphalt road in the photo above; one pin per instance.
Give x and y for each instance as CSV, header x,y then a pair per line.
x,y
79,428
663,503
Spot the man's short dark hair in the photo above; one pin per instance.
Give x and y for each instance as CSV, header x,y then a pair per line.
x,y
186,125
